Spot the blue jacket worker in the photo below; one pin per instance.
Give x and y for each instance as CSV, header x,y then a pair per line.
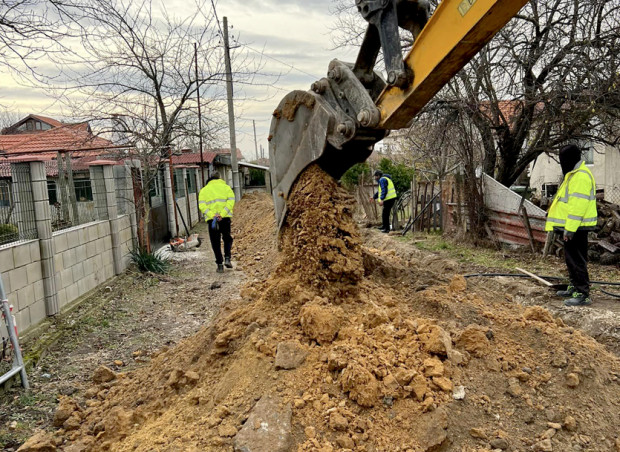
x,y
572,214
386,196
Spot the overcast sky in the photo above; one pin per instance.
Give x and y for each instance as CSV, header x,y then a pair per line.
x,y
292,34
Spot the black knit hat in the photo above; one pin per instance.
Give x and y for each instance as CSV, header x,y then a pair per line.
x,y
569,157
378,173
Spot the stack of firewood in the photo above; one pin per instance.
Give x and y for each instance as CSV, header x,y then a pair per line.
x,y
605,248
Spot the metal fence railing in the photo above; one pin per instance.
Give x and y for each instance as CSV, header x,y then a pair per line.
x,y
99,193
74,198
17,216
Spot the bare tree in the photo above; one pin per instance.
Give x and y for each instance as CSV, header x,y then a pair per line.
x,y
549,77
32,31
135,78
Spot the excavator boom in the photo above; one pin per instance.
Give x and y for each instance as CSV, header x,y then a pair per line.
x,y
337,123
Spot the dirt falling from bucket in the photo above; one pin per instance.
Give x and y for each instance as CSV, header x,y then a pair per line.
x,y
320,241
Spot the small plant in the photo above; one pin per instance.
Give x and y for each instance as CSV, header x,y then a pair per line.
x,y
8,229
150,262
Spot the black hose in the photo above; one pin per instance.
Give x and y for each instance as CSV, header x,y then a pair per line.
x,y
610,293
519,275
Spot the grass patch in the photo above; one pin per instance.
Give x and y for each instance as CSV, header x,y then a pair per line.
x,y
150,262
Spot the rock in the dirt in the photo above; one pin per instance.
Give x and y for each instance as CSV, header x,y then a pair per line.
x,y
474,340
478,433
419,387
543,446
458,393
226,431
404,376
290,355
500,443
538,314
268,428
572,380
391,383
444,383
41,442
437,341
338,422
66,407
514,388
103,374
319,323
458,284
345,442
433,367
570,423
431,430
361,385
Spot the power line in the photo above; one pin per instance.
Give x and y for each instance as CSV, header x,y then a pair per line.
x,y
279,61
260,52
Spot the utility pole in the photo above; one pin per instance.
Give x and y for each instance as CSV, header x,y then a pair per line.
x,y
202,163
255,142
231,114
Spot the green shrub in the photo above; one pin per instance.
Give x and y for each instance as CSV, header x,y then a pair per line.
x,y
8,229
401,174
257,177
351,178
150,262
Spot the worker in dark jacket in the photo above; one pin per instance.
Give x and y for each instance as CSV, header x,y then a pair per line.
x,y
572,214
386,196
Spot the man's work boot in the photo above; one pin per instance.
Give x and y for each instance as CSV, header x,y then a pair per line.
x,y
220,268
227,262
579,299
566,293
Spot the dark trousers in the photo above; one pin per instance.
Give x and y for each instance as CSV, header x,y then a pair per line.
x,y
216,235
576,256
387,210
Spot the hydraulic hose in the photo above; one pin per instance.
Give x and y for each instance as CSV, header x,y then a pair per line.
x,y
519,275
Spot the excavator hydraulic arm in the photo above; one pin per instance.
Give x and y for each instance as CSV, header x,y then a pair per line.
x,y
338,121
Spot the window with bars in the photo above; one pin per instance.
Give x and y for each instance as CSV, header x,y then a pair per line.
x,y
191,181
52,192
5,193
179,184
83,190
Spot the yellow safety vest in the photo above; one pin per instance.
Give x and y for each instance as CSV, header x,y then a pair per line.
x,y
574,205
216,198
391,191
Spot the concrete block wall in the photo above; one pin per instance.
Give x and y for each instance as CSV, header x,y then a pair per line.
x,y
22,277
127,239
78,260
83,260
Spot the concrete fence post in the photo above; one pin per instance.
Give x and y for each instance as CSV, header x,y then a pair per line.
x,y
170,200
43,219
105,169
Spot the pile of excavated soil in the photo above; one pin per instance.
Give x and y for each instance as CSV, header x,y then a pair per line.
x,y
254,231
355,349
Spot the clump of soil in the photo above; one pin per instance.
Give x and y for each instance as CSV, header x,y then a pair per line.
x,y
373,363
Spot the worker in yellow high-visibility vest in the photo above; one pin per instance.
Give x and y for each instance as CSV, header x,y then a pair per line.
x,y
572,214
216,202
386,195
